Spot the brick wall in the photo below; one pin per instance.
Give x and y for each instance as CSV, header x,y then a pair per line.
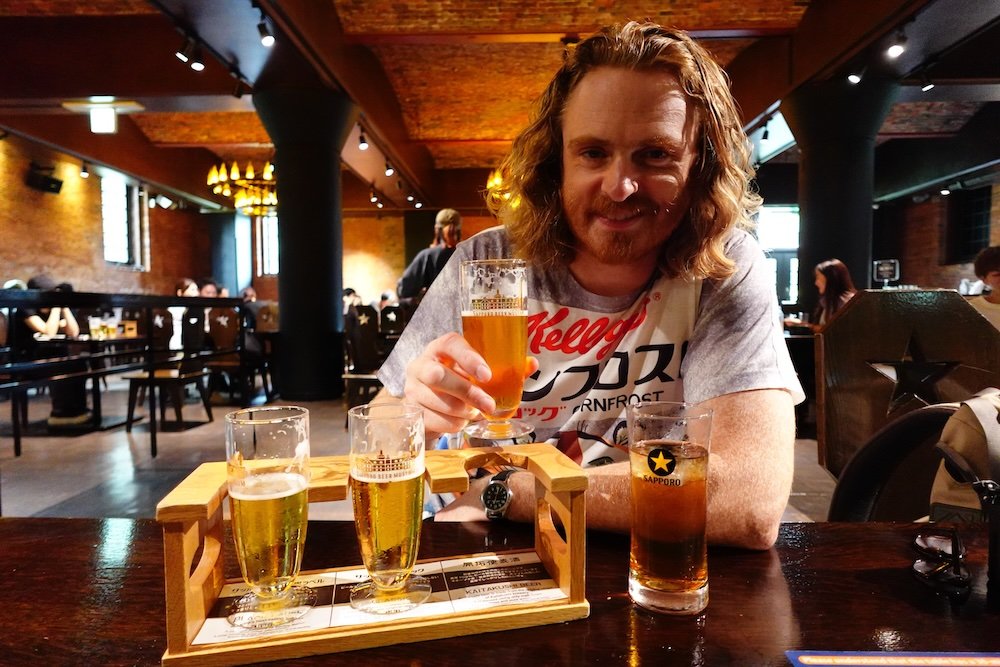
x,y
61,234
921,230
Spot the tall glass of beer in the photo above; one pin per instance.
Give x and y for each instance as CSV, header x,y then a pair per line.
x,y
267,463
668,451
495,323
387,491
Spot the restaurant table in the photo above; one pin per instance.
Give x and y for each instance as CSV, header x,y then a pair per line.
x,y
90,592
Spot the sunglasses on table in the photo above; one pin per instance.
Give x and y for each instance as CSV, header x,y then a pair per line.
x,y
940,564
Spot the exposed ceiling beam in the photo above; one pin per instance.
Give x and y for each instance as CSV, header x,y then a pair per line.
x,y
462,38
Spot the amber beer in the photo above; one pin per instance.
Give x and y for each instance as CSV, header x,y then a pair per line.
x,y
269,515
388,499
501,337
669,551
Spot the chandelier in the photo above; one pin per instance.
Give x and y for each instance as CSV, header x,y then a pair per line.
x,y
252,192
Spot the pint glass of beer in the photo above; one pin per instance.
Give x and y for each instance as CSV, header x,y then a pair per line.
x,y
668,451
495,322
387,490
267,463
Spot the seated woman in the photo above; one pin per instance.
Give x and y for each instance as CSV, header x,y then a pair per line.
x,y
833,281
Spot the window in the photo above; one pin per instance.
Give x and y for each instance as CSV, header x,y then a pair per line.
x,y
778,234
121,221
267,245
968,224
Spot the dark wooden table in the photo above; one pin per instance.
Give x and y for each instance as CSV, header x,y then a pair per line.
x,y
89,592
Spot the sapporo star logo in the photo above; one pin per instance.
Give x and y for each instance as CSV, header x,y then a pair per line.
x,y
914,376
363,319
661,462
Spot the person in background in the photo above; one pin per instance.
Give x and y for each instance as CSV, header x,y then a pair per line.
x,y
351,298
184,287
426,266
69,397
630,197
249,295
833,281
987,268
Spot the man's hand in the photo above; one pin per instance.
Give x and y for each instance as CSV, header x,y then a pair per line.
x,y
440,380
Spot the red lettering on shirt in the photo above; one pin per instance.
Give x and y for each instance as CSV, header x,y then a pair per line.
x,y
581,336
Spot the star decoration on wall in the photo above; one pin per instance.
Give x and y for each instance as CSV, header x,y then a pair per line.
x,y
913,375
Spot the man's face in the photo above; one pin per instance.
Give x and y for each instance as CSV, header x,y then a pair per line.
x,y
629,142
209,290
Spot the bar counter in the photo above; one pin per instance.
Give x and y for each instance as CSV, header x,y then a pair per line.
x,y
87,591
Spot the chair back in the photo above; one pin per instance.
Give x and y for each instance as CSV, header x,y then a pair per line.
x,y
267,317
3,329
889,352
224,331
890,477
392,320
361,339
162,332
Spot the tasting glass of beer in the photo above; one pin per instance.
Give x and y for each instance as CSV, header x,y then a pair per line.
x,y
387,491
267,464
668,560
495,323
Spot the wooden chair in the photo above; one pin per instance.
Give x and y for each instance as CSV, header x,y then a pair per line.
x,y
171,380
890,477
240,371
362,355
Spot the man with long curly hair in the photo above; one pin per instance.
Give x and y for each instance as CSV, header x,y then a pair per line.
x,y
629,195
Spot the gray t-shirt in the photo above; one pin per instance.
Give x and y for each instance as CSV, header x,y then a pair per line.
x,y
674,340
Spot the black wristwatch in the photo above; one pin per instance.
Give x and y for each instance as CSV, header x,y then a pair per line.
x,y
497,495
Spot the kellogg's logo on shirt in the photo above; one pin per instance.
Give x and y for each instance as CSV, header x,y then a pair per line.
x,y
553,334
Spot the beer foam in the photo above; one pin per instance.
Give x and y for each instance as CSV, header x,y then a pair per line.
x,y
269,486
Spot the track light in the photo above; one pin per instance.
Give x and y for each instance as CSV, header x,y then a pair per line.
x,y
925,83
945,192
372,197
410,197
266,36
362,142
856,75
197,64
417,204
187,48
84,170
898,46
389,171
379,204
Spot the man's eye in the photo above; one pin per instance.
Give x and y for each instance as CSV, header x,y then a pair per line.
x,y
592,153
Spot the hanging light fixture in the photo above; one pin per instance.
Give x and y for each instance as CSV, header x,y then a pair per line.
x,y
187,48
266,36
362,142
389,171
197,62
84,170
254,191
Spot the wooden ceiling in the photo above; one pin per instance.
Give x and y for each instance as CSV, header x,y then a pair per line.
x,y
442,86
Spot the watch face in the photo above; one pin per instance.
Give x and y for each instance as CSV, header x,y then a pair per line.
x,y
495,496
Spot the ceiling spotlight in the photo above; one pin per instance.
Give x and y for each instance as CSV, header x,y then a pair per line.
x,y
417,204
164,202
898,46
389,171
84,170
197,64
266,36
372,197
856,75
410,197
945,192
925,83
184,53
379,204
362,142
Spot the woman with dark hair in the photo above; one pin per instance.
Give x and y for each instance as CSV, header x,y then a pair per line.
x,y
836,288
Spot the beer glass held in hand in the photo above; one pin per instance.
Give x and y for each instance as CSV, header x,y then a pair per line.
x,y
494,322
267,455
387,490
668,561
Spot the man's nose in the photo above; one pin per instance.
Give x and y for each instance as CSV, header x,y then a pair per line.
x,y
620,181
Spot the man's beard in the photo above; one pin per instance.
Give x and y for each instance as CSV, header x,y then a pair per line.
x,y
614,247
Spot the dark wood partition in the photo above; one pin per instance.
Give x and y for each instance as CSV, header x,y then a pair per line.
x,y
891,351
